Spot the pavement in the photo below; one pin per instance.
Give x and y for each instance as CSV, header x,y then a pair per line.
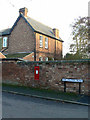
x,y
49,95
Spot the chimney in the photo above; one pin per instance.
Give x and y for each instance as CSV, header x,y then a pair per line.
x,y
23,11
56,32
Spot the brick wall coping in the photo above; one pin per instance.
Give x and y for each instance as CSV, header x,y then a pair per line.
x,y
60,61
57,61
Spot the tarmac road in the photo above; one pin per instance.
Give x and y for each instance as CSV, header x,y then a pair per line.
x,y
17,106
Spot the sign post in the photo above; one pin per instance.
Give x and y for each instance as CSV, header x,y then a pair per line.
x,y
79,88
64,86
74,81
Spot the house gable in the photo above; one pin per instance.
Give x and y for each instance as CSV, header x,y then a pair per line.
x,y
22,38
21,16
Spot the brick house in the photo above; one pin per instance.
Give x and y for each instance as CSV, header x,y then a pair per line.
x,y
31,40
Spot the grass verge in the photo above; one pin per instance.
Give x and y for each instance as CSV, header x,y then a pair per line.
x,y
43,92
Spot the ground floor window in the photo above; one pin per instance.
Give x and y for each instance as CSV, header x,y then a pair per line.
x,y
46,43
40,59
53,59
46,59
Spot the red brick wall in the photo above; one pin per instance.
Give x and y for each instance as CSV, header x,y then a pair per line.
x,y
51,74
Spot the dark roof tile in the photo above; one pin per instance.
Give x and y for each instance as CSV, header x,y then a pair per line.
x,y
41,28
5,32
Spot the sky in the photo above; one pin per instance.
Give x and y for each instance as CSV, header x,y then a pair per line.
x,y
53,13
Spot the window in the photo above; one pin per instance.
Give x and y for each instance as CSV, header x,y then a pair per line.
x,y
5,42
40,59
53,59
46,43
46,58
41,41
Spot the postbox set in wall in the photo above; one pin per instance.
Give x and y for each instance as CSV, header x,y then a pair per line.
x,y
36,73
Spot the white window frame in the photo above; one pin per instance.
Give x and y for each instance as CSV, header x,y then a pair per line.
x,y
53,59
46,43
4,41
46,58
40,59
41,41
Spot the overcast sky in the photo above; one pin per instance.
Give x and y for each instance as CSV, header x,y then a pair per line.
x,y
53,13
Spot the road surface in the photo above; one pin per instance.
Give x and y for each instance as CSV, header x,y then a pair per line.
x,y
17,106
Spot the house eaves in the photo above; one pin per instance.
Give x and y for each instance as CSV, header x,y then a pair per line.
x,y
5,32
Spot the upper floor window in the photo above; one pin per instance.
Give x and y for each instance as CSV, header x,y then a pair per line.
x,y
5,42
41,41
46,43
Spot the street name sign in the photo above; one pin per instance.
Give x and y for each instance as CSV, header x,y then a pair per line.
x,y
72,80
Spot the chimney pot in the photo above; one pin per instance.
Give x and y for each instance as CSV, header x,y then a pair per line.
x,y
56,32
23,11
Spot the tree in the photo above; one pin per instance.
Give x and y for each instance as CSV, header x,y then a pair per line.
x,y
81,35
69,56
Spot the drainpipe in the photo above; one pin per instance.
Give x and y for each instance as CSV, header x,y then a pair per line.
x,y
35,47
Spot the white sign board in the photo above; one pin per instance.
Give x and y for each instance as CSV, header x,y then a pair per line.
x,y
72,80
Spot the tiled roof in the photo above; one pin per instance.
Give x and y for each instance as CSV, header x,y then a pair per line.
x,y
2,56
41,28
18,55
35,25
5,32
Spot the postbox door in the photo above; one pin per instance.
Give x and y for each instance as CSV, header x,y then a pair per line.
x,y
36,72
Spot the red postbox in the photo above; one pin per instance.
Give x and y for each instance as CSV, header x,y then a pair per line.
x,y
36,72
